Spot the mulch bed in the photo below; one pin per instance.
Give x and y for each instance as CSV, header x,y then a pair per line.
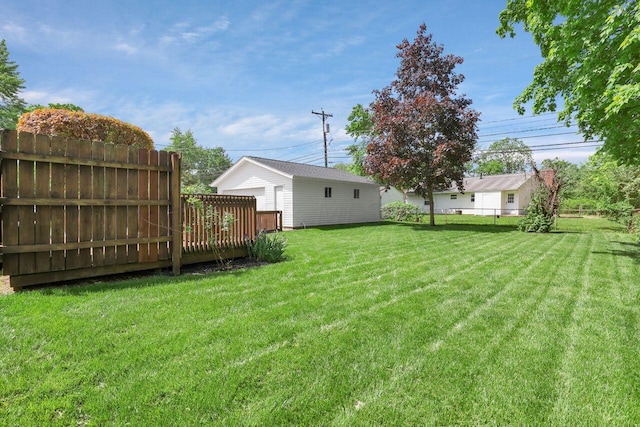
x,y
200,269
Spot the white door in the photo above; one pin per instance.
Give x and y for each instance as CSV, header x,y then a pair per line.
x,y
278,202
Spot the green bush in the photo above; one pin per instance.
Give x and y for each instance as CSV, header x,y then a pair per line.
x,y
400,211
536,220
267,247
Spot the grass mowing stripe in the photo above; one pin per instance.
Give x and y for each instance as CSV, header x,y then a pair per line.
x,y
436,271
516,382
275,346
491,297
596,369
415,361
627,297
342,333
563,406
394,252
452,411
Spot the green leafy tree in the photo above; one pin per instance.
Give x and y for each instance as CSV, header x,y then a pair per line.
x,y
610,186
57,106
590,51
568,173
508,155
359,128
200,165
423,132
11,105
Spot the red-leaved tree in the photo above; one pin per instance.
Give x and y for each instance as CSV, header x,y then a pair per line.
x,y
423,132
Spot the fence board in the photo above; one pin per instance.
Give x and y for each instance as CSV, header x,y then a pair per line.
x,y
72,212
112,185
85,185
143,211
26,225
163,213
154,211
58,146
43,213
211,222
269,221
97,153
73,209
131,212
10,214
175,212
121,192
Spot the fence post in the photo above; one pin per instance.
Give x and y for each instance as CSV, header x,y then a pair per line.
x,y
176,215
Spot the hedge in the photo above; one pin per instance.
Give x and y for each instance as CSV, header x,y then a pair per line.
x,y
81,125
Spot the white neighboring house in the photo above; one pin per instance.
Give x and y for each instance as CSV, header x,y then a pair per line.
x,y
487,195
307,195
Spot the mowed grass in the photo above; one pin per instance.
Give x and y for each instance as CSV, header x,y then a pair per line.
x,y
391,324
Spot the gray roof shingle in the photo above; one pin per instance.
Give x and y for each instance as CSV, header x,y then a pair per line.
x,y
309,171
492,183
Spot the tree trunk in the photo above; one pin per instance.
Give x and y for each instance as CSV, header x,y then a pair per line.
x,y
432,218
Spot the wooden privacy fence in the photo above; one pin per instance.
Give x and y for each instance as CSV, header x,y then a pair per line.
x,y
76,209
269,220
216,224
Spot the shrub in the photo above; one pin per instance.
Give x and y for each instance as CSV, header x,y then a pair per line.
x,y
621,212
267,247
536,220
81,125
400,211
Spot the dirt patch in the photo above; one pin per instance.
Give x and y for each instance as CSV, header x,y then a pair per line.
x,y
213,267
5,289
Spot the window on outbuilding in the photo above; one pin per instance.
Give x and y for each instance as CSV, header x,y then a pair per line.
x,y
356,193
426,203
327,191
454,197
511,198
473,197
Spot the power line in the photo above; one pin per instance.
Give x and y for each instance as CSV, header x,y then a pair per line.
x,y
520,118
543,135
522,130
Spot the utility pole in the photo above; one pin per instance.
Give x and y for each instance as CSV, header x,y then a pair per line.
x,y
325,131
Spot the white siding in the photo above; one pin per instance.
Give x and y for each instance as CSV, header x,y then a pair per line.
x,y
390,195
250,176
444,204
258,193
311,207
412,199
489,203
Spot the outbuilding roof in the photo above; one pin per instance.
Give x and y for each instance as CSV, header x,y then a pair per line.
x,y
492,183
292,170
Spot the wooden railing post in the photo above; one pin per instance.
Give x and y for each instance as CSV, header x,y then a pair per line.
x,y
176,214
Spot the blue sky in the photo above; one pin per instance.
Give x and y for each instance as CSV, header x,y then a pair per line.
x,y
245,75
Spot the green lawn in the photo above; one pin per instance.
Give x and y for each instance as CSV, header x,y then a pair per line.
x,y
392,324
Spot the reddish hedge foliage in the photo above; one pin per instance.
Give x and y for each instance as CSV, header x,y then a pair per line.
x,y
81,125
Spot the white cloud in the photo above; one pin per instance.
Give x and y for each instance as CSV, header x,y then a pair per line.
x,y
126,48
14,31
82,98
340,46
188,33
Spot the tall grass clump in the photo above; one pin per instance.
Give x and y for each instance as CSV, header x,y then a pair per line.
x,y
267,247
